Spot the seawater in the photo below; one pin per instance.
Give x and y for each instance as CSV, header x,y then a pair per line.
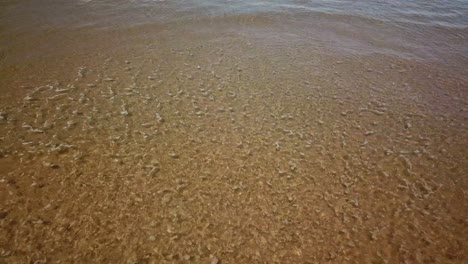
x,y
233,131
422,29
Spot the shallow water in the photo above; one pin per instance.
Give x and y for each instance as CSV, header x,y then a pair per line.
x,y
422,29
233,132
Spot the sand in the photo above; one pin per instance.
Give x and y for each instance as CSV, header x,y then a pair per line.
x,y
228,145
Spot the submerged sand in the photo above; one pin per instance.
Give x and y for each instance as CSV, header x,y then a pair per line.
x,y
168,145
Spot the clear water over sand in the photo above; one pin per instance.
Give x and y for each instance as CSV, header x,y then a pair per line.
x,y
233,131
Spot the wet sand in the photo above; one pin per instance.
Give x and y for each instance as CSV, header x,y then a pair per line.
x,y
232,142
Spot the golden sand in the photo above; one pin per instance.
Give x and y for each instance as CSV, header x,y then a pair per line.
x,y
168,145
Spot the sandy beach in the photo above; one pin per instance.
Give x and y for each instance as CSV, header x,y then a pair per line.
x,y
230,134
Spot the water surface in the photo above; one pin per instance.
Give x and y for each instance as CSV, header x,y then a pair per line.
x,y
233,131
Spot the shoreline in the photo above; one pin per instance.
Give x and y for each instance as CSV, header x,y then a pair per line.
x,y
228,145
